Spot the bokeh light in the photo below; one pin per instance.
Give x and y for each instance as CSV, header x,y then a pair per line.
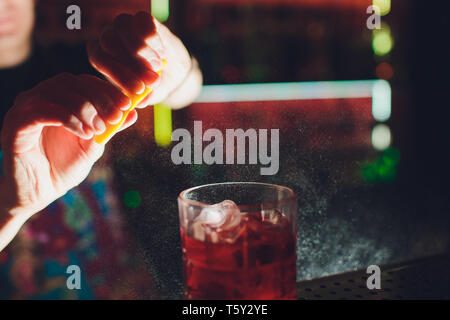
x,y
384,168
381,137
384,5
384,71
132,199
382,42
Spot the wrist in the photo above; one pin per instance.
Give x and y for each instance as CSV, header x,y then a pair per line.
x,y
11,220
8,203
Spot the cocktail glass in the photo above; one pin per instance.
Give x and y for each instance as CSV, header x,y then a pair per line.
x,y
239,241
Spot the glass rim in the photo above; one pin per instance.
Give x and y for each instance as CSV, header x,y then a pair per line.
x,y
293,194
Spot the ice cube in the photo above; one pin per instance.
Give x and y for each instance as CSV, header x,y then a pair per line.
x,y
274,217
197,230
232,228
271,216
231,213
212,217
217,223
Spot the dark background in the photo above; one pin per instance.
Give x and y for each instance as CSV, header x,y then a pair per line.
x,y
342,226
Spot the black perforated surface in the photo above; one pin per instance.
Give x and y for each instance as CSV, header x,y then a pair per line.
x,y
428,278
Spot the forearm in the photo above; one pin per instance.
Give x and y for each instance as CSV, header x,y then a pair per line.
x,y
10,219
187,92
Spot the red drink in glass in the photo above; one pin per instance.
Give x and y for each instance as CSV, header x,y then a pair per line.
x,y
259,264
237,251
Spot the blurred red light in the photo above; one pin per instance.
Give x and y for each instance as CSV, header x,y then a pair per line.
x,y
384,71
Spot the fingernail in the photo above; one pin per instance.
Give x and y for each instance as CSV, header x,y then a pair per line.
x,y
127,106
99,125
76,126
88,132
141,88
115,118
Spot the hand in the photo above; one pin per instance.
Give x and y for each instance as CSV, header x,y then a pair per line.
x,y
130,52
47,138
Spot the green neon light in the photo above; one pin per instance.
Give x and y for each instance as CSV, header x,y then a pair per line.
x,y
163,124
160,9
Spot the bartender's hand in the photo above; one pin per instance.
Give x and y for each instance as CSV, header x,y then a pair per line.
x,y
47,142
131,51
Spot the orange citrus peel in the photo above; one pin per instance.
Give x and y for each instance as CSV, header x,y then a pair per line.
x,y
112,128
